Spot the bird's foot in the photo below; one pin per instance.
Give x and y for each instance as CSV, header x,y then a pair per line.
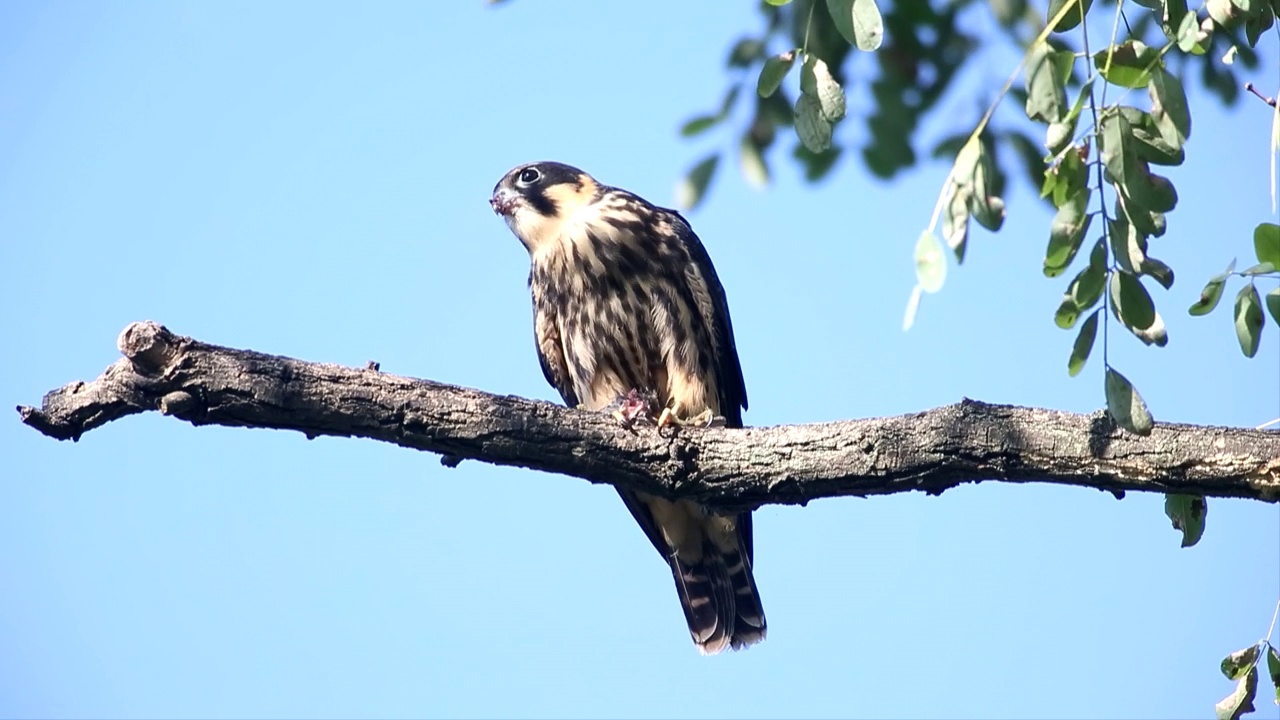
x,y
635,406
704,419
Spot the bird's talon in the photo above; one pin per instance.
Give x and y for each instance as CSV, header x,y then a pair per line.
x,y
702,419
705,419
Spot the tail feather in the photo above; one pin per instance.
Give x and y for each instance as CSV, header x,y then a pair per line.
x,y
720,601
749,625
704,596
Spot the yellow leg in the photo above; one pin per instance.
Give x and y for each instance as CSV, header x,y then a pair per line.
x,y
706,418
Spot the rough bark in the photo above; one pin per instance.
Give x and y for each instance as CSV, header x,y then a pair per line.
x,y
931,451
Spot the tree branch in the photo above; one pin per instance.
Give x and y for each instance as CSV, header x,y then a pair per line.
x,y
931,451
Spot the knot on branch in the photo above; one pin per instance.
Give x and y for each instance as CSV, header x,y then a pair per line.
x,y
176,402
149,346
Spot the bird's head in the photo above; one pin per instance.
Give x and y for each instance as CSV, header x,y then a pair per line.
x,y
537,199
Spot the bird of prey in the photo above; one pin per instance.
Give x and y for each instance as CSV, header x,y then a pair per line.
x,y
627,305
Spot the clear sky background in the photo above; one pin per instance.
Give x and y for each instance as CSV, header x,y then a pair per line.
x,y
311,179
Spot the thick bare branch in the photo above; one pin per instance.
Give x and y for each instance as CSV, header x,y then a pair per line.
x,y
931,451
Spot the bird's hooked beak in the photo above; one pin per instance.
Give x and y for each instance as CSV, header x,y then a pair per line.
x,y
503,201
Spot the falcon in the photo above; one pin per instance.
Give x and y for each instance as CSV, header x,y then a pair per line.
x,y
628,309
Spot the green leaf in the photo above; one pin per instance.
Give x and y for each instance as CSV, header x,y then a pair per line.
x,y
1131,301
1126,405
868,28
1259,269
1266,243
1152,192
1231,268
1070,177
1258,23
1149,191
1067,314
1249,319
1209,297
1162,273
1073,16
950,145
1235,665
1240,701
1084,344
1155,335
1061,132
1187,512
1169,106
931,264
858,21
966,164
816,80
987,210
1116,155
1273,304
1130,249
1130,65
955,221
730,98
1224,12
1149,141
699,125
751,160
1273,669
774,110
814,129
1142,197
1046,86
1066,234
777,3
693,187
972,173
1145,221
1085,289
745,52
774,72
1188,34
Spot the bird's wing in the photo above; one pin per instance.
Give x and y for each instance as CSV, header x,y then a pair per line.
x,y
708,295
546,330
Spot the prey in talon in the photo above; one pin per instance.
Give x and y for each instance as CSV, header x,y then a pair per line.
x,y
634,407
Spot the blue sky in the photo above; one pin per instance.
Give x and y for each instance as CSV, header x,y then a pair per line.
x,y
311,180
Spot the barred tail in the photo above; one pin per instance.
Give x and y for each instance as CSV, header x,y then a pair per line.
x,y
749,626
720,601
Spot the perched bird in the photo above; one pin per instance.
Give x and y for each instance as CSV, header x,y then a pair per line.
x,y
627,305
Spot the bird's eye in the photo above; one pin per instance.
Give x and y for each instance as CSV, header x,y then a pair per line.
x,y
529,176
